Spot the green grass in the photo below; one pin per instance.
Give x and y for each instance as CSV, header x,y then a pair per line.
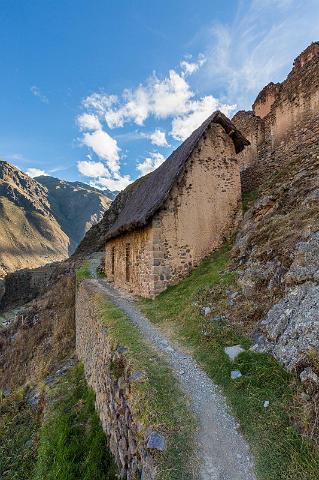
x,y
158,401
248,199
72,445
19,425
83,273
280,452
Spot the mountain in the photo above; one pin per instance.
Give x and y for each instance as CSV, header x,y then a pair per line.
x,y
77,206
42,220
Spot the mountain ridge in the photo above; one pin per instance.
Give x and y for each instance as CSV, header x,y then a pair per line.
x,y
43,219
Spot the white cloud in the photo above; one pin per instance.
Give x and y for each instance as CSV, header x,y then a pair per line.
x,y
184,125
189,68
168,97
99,102
158,138
88,121
244,56
35,172
160,98
150,163
114,184
105,147
37,93
135,108
92,169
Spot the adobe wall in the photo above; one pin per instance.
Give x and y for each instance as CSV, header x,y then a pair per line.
x,y
265,99
201,210
141,261
112,386
253,128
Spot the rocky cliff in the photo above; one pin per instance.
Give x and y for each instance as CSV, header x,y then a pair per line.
x,y
277,245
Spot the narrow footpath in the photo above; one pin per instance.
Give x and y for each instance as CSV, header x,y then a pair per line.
x,y
222,451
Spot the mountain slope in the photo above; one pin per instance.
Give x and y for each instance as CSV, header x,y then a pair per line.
x,y
75,205
42,220
29,233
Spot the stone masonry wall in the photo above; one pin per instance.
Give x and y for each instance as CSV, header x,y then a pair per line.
x,y
138,245
201,211
108,373
291,126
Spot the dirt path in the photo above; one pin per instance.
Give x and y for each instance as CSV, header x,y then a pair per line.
x,y
223,453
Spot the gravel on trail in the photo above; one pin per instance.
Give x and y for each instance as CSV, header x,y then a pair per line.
x,y
222,452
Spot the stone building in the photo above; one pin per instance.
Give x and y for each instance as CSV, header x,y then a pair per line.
x,y
179,213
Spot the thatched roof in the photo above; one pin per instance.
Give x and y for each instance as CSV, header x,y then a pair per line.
x,y
153,189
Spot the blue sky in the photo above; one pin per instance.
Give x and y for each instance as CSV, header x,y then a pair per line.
x,y
102,91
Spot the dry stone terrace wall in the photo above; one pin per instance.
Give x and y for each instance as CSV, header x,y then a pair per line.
x,y
22,286
108,373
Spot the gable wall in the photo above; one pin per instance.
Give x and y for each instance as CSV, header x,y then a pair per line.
x,y
201,210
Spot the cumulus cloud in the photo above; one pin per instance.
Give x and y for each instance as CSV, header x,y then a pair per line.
x,y
37,93
158,137
104,146
150,163
35,172
92,169
184,125
88,121
168,97
160,98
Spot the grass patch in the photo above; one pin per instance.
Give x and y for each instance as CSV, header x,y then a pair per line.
x,y
158,400
83,273
248,199
280,452
19,425
72,444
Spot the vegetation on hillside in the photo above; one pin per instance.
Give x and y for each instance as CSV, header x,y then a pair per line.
x,y
64,441
72,444
280,451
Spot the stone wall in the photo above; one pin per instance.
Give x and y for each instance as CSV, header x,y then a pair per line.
x,y
22,286
277,243
290,128
132,251
107,371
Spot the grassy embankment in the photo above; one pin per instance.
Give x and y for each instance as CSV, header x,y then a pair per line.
x,y
67,443
158,401
280,452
